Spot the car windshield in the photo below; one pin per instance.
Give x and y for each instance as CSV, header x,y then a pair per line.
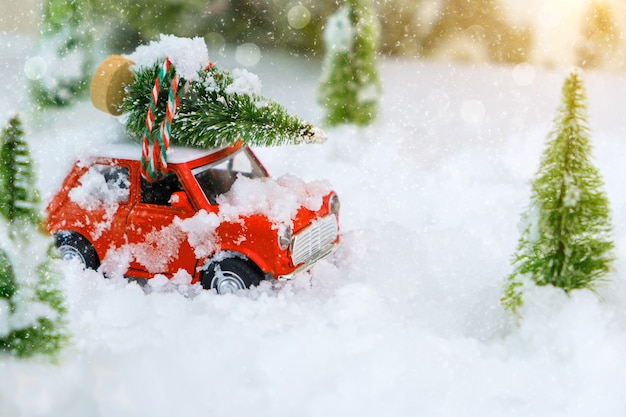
x,y
218,177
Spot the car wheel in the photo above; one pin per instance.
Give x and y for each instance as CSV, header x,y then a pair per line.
x,y
74,246
230,275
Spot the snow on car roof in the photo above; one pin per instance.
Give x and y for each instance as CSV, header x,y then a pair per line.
x,y
132,151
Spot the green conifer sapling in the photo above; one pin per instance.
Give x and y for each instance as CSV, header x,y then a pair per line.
x,y
31,304
19,198
350,88
566,241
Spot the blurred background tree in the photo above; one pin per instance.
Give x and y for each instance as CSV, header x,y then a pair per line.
x,y
599,36
350,86
413,27
128,24
32,306
476,30
284,24
587,32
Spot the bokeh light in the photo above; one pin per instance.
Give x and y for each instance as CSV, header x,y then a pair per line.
x,y
35,68
298,17
248,54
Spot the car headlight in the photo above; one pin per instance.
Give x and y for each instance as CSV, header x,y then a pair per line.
x,y
333,204
284,236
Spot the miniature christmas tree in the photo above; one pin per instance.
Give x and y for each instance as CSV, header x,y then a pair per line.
x,y
66,46
350,88
566,241
217,110
170,93
19,198
31,305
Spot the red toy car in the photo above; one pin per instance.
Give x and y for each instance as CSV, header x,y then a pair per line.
x,y
196,218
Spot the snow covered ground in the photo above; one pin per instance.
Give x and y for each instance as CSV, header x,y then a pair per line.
x,y
404,319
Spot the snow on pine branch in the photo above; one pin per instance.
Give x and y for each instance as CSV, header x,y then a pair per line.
x,y
188,55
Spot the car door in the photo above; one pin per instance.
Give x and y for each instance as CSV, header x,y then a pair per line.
x,y
157,243
99,204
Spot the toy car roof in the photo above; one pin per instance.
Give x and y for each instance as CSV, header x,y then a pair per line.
x,y
132,151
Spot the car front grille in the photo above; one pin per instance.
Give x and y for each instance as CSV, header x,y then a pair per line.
x,y
314,241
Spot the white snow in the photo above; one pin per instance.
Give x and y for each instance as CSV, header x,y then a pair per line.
x,y
198,231
187,55
338,31
277,199
25,255
244,82
572,196
404,319
94,191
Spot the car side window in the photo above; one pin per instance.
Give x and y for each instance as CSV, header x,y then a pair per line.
x,y
101,185
116,178
160,191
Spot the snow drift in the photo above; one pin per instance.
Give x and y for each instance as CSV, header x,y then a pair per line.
x,y
405,319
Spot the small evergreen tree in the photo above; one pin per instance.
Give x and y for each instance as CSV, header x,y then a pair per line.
x,y
566,241
350,87
19,198
31,304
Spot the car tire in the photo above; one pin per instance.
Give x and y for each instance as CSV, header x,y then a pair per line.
x,y
74,246
230,275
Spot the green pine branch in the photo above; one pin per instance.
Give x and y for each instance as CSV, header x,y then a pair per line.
x,y
567,239
19,198
8,286
211,116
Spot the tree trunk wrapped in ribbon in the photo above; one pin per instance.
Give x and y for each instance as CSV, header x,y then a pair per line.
x,y
194,103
